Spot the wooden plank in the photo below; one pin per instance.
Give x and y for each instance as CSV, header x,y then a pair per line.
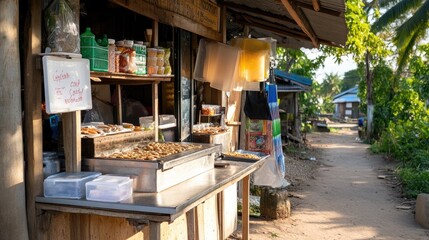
x,y
155,105
129,215
12,187
157,13
301,20
246,208
119,107
191,224
221,215
199,216
158,230
72,146
33,114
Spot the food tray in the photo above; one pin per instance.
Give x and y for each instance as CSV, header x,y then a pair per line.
x,y
160,174
261,155
107,188
68,184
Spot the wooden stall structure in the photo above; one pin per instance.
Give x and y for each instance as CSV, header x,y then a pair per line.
x,y
292,23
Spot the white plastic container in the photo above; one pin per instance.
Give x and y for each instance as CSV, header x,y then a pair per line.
x,y
107,188
67,184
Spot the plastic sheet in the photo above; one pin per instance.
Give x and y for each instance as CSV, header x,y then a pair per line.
x,y
62,27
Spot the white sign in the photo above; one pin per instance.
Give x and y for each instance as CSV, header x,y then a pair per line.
x,y
67,84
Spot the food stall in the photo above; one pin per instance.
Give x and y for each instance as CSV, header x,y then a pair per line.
x,y
177,188
146,215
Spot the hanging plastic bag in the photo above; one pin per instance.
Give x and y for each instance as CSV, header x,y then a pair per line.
x,y
62,28
256,105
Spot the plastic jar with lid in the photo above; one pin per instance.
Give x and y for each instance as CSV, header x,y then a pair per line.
x,y
112,49
127,59
117,60
140,50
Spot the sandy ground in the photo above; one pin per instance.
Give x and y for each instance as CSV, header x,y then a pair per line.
x,y
344,199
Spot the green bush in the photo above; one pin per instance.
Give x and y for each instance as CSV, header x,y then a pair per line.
x,y
414,182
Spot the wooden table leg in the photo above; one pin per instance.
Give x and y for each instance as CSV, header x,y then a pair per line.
x,y
245,211
158,230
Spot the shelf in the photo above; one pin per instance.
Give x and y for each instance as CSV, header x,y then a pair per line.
x,y
127,78
214,115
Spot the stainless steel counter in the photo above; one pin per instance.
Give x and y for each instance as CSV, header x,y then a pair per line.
x,y
168,204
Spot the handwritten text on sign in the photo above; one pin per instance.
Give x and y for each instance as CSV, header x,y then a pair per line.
x,y
67,84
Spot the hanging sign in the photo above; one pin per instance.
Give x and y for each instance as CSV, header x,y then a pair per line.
x,y
67,84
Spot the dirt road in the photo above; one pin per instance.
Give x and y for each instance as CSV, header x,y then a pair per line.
x,y
345,199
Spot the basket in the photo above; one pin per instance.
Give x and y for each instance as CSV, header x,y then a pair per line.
x,y
98,57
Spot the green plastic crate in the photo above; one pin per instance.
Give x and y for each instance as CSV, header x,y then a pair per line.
x,y
98,57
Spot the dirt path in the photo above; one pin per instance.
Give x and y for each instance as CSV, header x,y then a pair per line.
x,y
345,200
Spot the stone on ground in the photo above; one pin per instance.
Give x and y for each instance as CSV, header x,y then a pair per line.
x,y
275,203
422,210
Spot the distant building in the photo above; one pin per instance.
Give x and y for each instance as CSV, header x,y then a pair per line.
x,y
347,104
289,86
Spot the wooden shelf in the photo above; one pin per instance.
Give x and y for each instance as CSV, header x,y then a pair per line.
x,y
127,78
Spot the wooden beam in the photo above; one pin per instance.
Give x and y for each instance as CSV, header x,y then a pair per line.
x,y
33,114
243,8
270,26
167,17
316,5
245,216
301,20
72,145
321,9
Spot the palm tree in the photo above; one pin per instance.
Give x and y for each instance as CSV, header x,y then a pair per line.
x,y
413,17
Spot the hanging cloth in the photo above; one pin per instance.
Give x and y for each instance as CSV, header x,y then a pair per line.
x,y
256,105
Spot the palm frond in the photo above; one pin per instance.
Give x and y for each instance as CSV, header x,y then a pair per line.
x,y
387,3
420,17
394,13
406,50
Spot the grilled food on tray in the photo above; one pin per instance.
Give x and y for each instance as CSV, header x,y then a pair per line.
x,y
210,130
242,155
154,151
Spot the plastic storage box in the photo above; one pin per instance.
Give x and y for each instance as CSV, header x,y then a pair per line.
x,y
98,55
67,184
107,188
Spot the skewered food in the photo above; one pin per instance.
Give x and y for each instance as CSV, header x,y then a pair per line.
x,y
154,151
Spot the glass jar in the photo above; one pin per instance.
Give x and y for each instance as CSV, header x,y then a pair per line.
x,y
112,48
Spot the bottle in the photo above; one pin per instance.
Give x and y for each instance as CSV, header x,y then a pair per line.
x,y
140,57
87,38
111,49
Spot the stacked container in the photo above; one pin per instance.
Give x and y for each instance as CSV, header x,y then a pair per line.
x,y
90,49
151,62
140,58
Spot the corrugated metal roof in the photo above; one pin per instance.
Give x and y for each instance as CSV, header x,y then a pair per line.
x,y
349,95
353,90
327,25
347,98
289,82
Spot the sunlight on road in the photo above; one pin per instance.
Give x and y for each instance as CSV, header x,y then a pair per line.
x,y
338,146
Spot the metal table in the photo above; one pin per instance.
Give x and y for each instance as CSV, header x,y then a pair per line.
x,y
169,204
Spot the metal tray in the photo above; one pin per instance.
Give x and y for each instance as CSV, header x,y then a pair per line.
x,y
157,175
261,155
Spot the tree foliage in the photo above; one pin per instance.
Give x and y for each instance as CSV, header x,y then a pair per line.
x,y
409,19
351,79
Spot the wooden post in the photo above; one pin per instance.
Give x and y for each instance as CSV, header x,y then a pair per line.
x,y
32,109
155,108
246,205
119,110
72,147
13,219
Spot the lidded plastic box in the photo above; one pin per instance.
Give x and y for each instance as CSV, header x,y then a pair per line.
x,y
109,188
68,184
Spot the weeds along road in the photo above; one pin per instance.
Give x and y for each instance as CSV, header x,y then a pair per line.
x,y
345,199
